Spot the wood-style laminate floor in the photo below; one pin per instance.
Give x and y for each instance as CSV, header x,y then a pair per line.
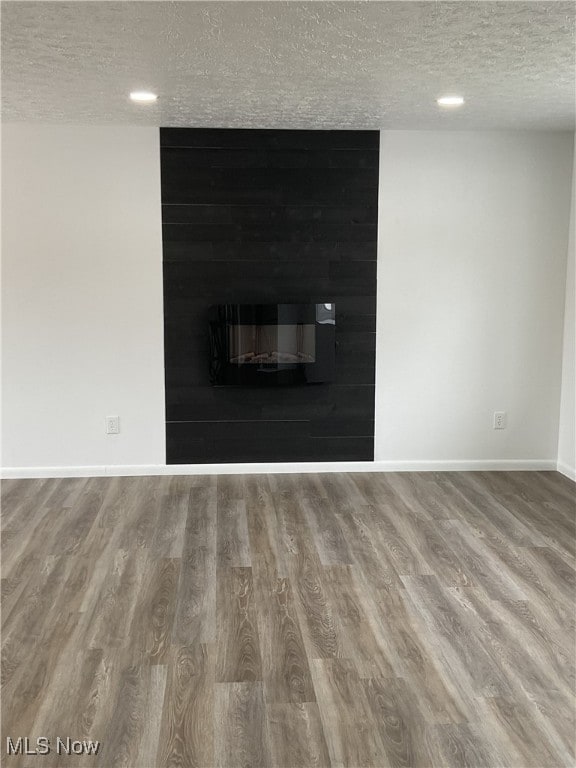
x,y
291,621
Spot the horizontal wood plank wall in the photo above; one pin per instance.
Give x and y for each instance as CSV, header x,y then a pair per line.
x,y
269,217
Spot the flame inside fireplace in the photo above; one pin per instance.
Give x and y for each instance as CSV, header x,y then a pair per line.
x,y
272,344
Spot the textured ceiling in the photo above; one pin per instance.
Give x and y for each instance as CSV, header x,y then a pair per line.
x,y
291,64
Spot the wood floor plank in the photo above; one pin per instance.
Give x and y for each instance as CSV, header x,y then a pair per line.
x,y
292,621
556,719
467,661
482,564
491,508
542,594
548,486
125,732
153,708
78,521
266,554
188,725
33,617
516,727
121,494
534,661
242,737
319,622
377,548
399,722
88,672
366,531
18,543
325,530
109,608
31,682
543,518
169,538
237,643
195,618
285,667
232,524
145,514
461,745
43,513
152,625
420,494
316,615
422,667
15,492
296,736
363,641
555,570
288,520
12,586
349,727
233,540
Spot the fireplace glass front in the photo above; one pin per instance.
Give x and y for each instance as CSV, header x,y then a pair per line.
x,y
269,344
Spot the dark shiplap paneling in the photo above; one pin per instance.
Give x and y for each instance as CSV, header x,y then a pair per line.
x,y
269,217
250,139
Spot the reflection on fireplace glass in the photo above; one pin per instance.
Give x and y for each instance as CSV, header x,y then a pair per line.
x,y
261,344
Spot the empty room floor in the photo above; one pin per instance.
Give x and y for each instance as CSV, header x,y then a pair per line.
x,y
283,620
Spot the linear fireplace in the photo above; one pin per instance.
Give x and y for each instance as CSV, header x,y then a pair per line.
x,y
272,344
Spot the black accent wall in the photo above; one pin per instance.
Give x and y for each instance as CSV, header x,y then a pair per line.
x,y
265,217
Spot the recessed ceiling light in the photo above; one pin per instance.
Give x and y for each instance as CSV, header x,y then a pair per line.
x,y
143,97
450,101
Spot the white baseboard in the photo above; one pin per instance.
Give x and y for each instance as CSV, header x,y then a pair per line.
x,y
471,465
564,469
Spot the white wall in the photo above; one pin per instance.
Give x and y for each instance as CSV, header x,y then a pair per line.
x,y
82,296
472,260
472,264
566,437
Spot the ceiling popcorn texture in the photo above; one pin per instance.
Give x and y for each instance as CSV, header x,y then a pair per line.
x,y
291,64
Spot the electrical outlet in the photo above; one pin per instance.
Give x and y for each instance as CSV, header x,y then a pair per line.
x,y
112,425
499,419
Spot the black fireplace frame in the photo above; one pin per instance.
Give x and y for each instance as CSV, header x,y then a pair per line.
x,y
223,372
